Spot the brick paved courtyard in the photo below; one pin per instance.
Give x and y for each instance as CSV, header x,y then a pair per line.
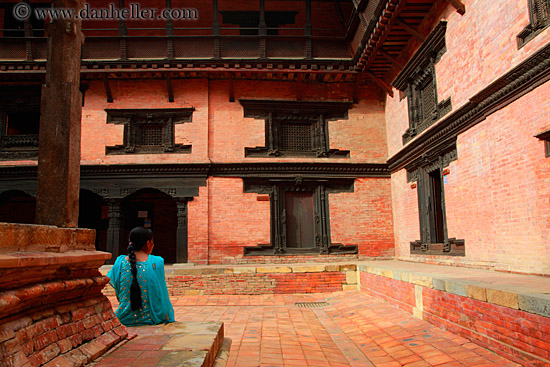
x,y
353,330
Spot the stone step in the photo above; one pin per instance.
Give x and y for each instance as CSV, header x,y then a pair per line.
x,y
189,344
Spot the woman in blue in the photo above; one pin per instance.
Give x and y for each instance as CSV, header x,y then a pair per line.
x,y
139,283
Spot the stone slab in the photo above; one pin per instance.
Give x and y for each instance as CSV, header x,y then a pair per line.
x,y
535,303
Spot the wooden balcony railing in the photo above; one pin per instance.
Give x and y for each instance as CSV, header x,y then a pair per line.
x,y
151,43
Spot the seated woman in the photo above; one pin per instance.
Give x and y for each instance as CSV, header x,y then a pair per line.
x,y
139,283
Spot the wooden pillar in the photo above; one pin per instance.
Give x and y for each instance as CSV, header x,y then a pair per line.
x,y
169,33
181,232
113,231
309,53
28,40
60,115
216,30
122,33
262,31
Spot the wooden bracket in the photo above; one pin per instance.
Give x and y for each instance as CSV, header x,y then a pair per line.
x,y
107,89
390,58
458,5
300,78
231,88
419,36
381,83
170,88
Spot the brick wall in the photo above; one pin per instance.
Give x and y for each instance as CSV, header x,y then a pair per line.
x,y
52,309
497,191
513,325
364,217
496,194
223,220
254,279
481,47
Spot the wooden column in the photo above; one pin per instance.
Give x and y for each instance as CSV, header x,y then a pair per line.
x,y
309,53
169,33
216,30
113,231
122,33
60,115
181,232
262,31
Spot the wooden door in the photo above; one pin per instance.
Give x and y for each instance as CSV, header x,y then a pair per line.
x,y
299,219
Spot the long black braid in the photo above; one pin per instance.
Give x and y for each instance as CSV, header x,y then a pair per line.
x,y
138,238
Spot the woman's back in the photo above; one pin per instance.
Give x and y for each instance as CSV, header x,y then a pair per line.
x,y
146,301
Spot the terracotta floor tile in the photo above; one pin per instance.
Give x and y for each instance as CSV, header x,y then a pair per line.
x,y
355,330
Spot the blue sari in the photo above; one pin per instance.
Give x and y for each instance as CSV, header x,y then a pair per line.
x,y
156,306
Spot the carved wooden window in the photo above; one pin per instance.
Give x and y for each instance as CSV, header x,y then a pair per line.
x,y
300,220
19,122
428,174
539,19
295,128
418,81
149,131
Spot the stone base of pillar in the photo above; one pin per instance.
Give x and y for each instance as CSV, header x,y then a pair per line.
x,y
51,305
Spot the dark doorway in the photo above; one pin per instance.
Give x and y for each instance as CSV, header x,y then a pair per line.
x,y
17,207
299,219
436,207
153,209
93,214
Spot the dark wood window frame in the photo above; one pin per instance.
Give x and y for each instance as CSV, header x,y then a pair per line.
x,y
277,114
418,82
427,171
320,189
545,136
539,20
137,140
19,100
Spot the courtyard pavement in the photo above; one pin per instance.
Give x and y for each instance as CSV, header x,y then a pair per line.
x,y
354,329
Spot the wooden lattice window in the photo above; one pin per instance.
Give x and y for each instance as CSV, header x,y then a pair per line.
x,y
418,81
19,122
295,128
295,137
149,131
150,135
539,19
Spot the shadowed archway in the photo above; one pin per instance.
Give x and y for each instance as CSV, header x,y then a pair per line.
x,y
17,207
156,210
93,214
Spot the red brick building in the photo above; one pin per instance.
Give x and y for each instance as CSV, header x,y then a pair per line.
x,y
286,131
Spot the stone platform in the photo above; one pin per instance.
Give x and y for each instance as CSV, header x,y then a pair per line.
x,y
179,344
504,312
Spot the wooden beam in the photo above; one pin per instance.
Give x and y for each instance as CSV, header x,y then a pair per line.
x,y
458,5
380,82
390,58
340,14
419,36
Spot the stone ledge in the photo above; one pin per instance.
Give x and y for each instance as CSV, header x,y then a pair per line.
x,y
31,237
26,259
503,293
189,343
